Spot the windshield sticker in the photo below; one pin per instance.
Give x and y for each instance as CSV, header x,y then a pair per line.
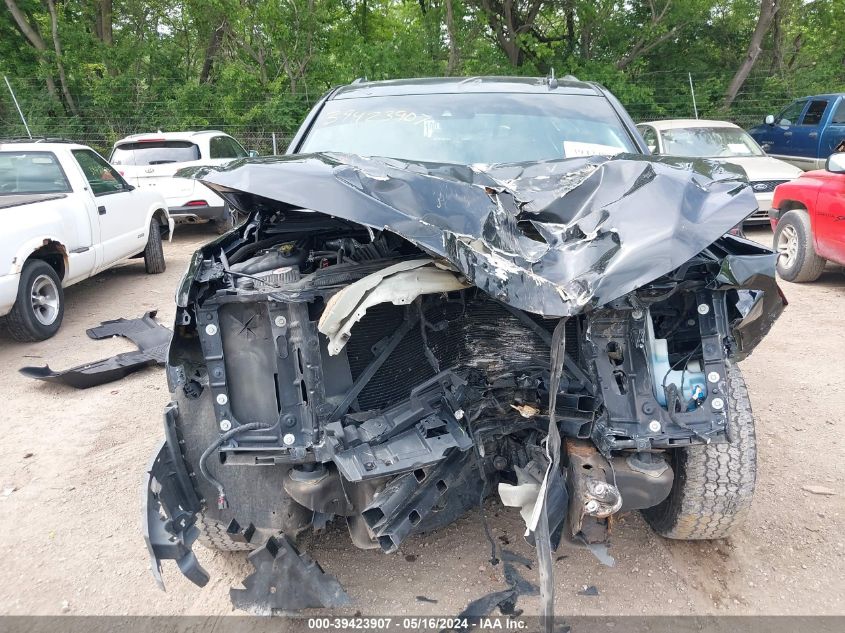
x,y
571,149
346,117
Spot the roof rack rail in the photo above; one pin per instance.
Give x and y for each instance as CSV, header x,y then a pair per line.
x,y
360,80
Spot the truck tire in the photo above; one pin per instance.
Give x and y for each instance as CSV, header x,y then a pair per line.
x,y
713,483
793,240
154,251
40,305
213,536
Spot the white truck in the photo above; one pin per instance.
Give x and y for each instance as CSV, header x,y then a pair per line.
x,y
67,215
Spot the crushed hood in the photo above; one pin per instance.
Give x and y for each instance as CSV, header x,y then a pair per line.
x,y
554,238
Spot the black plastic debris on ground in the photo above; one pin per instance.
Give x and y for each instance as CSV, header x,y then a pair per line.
x,y
513,557
592,590
152,340
285,580
505,600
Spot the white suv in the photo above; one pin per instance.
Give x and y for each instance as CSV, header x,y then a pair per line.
x,y
149,161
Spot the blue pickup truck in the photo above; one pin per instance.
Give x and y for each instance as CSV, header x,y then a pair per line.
x,y
806,132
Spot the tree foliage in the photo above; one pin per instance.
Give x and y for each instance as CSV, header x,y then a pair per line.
x,y
100,69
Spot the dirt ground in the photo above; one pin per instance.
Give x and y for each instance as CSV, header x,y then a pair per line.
x,y
72,464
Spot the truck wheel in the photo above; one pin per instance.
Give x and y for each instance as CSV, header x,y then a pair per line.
x,y
797,259
213,535
714,483
154,251
40,305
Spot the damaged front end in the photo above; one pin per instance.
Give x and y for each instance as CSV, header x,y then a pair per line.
x,y
383,343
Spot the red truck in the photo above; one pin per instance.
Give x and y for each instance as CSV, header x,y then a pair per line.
x,y
808,218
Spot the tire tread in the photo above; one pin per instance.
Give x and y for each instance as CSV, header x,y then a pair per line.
x,y
809,266
16,324
154,250
714,484
213,536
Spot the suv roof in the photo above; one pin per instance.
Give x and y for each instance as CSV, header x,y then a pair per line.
x,y
170,136
441,85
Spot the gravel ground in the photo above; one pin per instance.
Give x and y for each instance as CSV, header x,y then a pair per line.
x,y
71,470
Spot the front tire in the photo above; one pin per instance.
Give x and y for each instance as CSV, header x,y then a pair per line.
x,y
714,484
154,251
793,240
40,304
213,535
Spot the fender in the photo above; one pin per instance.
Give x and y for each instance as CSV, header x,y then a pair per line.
x,y
799,193
33,244
156,207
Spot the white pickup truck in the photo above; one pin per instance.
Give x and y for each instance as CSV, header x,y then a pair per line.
x,y
66,215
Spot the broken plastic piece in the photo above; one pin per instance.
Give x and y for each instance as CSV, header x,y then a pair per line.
x,y
170,507
523,495
399,284
286,580
152,340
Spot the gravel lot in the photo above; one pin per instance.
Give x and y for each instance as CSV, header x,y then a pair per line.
x,y
73,461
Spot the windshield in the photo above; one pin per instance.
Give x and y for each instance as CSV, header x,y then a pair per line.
x,y
31,172
470,128
709,142
156,152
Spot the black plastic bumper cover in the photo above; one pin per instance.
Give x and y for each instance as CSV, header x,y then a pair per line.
x,y
150,336
170,508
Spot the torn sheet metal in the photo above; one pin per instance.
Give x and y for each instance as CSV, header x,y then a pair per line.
x,y
554,238
759,299
399,284
152,340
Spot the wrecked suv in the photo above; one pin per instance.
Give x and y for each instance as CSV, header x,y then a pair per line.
x,y
452,288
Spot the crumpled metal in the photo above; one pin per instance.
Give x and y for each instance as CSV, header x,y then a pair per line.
x,y
555,237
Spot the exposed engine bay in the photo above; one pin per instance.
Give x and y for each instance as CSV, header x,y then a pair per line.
x,y
386,344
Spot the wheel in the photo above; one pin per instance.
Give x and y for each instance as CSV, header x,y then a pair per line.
x,y
154,251
797,259
40,305
714,483
213,535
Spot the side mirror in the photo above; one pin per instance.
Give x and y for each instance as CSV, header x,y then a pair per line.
x,y
253,153
769,120
835,163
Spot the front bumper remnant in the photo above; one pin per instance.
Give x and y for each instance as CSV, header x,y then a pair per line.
x,y
151,337
170,509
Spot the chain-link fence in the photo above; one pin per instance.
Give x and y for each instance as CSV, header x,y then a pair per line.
x,y
109,112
